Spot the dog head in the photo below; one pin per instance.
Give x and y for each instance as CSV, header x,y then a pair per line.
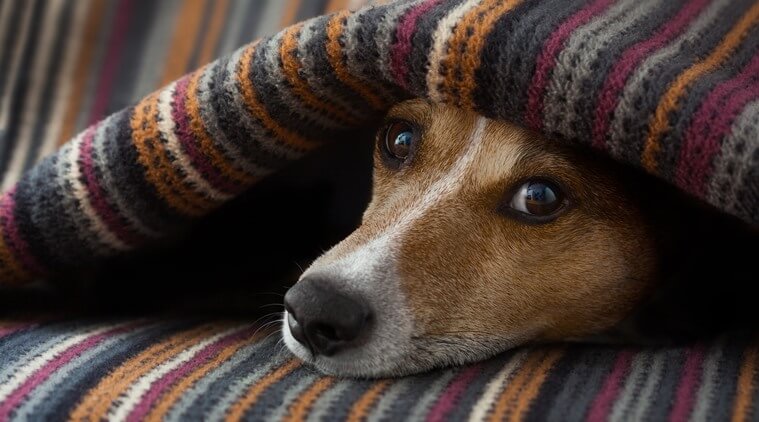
x,y
480,236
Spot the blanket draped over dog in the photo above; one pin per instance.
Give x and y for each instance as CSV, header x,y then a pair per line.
x,y
669,86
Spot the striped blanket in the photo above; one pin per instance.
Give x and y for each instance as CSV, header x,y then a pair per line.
x,y
668,86
193,370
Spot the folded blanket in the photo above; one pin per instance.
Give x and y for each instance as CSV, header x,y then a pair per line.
x,y
672,87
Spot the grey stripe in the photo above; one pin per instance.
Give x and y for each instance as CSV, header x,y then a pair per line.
x,y
361,55
682,117
283,403
43,108
94,71
578,62
388,399
323,406
710,381
644,88
287,96
64,374
386,34
508,66
111,186
630,394
734,160
234,390
270,22
211,124
241,122
241,14
155,48
190,396
308,40
429,395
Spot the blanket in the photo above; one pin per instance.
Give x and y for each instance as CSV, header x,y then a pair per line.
x,y
671,87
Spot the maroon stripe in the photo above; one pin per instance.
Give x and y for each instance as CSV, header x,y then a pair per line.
x,y
547,59
13,239
111,217
112,60
609,96
602,404
711,124
183,131
689,383
401,48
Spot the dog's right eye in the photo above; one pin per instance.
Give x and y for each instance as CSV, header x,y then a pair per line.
x,y
398,140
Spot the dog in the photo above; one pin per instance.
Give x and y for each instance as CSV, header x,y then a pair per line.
x,y
481,236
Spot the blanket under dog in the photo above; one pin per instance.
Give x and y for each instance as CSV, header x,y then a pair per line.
x,y
669,86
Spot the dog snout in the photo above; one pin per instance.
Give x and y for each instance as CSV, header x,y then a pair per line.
x,y
324,319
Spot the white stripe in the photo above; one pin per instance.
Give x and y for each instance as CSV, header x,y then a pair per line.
x,y
20,45
710,376
385,33
27,370
651,387
638,371
64,83
38,73
440,45
166,126
495,386
5,15
112,186
82,197
135,392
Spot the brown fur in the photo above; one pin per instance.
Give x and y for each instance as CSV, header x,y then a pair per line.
x,y
467,269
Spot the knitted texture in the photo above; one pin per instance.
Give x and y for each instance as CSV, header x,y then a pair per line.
x,y
208,371
672,87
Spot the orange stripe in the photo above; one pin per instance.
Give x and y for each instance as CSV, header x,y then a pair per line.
x,y
335,54
361,408
745,388
298,410
90,37
472,57
457,43
158,170
237,410
660,123
170,397
509,395
204,139
186,29
335,5
95,405
211,38
291,11
533,387
291,67
288,137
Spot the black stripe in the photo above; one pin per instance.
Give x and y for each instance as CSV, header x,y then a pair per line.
x,y
52,73
20,86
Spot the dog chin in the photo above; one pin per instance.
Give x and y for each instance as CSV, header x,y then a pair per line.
x,y
399,357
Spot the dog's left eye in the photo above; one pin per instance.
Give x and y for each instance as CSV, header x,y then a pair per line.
x,y
538,198
398,140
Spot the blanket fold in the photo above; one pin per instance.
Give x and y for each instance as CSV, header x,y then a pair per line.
x,y
671,87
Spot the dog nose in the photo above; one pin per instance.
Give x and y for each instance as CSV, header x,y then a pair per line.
x,y
324,319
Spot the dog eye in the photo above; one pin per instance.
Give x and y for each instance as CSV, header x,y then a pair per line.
x,y
538,198
399,138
